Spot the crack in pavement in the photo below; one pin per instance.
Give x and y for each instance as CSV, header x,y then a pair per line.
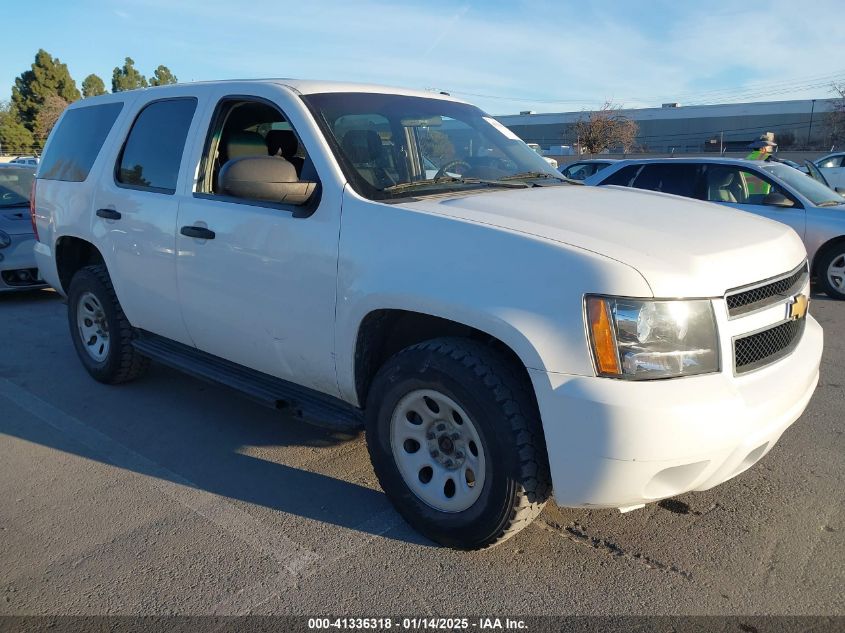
x,y
576,533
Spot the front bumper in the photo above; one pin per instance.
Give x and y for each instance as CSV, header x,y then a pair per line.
x,y
18,270
615,443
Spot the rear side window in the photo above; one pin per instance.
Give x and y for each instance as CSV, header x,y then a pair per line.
x,y
678,179
76,142
152,153
623,177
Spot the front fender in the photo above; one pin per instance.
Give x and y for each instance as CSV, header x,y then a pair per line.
x,y
524,290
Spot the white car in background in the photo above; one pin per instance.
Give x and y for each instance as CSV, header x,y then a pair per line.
x,y
536,148
833,168
31,161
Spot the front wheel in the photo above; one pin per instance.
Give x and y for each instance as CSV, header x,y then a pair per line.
x,y
456,442
830,270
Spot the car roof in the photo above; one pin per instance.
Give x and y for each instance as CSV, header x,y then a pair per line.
x,y
300,86
716,160
595,160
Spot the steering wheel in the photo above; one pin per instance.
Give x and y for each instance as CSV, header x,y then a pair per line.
x,y
452,163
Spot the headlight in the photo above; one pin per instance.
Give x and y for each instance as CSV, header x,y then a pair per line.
x,y
5,240
639,339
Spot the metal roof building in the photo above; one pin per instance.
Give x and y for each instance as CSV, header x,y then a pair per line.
x,y
674,127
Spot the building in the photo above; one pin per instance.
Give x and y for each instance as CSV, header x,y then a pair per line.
x,y
677,128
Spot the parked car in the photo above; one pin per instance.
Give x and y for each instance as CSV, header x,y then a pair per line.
x,y
770,189
498,332
551,161
32,161
18,270
583,169
833,168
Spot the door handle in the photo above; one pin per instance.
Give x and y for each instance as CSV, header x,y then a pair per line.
x,y
199,232
108,214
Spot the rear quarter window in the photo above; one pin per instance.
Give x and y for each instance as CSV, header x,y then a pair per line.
x,y
152,153
77,141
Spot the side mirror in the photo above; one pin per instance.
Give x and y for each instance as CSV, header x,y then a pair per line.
x,y
269,178
775,199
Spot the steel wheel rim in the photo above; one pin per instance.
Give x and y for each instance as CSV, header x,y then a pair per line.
x,y
93,326
836,273
434,442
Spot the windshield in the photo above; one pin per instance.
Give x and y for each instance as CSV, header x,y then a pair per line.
x,y
811,189
393,146
15,186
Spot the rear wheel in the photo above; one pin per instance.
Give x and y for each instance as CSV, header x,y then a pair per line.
x,y
100,331
830,270
456,442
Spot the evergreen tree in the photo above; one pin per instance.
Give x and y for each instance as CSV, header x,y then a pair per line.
x,y
47,77
127,77
163,77
93,86
14,137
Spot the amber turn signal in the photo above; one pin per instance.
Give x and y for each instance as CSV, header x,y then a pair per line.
x,y
601,332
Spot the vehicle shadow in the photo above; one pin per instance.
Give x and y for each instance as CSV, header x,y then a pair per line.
x,y
171,426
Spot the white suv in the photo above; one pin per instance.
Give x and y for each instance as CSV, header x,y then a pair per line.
x,y
498,331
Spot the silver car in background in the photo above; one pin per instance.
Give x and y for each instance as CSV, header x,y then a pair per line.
x,y
770,189
18,270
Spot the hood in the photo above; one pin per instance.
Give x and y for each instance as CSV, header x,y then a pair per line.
x,y
15,220
683,247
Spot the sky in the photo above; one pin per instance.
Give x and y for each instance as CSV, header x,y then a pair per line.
x,y
503,56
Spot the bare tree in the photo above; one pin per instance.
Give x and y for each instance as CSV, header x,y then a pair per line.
x,y
47,116
606,128
836,117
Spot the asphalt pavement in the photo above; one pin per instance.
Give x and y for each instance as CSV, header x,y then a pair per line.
x,y
172,496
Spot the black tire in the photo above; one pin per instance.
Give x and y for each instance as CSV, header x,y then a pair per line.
x,y
499,401
122,362
824,258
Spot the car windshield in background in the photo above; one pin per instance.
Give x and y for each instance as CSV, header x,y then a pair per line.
x,y
392,146
15,186
811,189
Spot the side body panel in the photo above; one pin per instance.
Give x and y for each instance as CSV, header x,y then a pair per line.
x,y
525,291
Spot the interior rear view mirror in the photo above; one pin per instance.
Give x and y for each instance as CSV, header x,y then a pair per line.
x,y
775,199
269,178
840,191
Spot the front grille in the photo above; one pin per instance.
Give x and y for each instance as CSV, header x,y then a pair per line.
x,y
762,296
763,348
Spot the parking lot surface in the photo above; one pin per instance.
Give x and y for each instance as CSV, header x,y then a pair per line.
x,y
170,495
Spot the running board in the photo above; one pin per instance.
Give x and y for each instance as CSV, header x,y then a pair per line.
x,y
301,402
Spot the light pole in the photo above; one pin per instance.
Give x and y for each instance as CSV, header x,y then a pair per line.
x,y
810,129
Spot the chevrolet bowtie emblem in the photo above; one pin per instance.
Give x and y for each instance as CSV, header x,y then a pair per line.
x,y
798,308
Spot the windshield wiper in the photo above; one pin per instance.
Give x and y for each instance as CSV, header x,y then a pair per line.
x,y
531,174
830,203
404,186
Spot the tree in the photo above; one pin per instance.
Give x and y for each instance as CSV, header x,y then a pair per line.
x,y
46,77
14,137
127,77
163,77
836,117
437,146
93,86
49,113
604,129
